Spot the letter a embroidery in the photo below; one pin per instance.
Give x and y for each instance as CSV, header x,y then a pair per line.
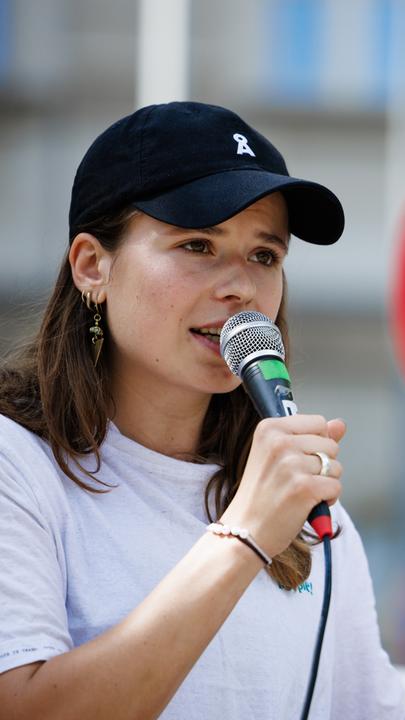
x,y
243,147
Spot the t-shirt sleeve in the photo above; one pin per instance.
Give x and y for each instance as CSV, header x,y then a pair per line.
x,y
33,619
366,686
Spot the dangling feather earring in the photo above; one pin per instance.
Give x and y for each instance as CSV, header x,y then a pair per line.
x,y
96,331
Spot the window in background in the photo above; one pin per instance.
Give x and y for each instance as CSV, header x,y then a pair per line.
x,y
5,41
323,54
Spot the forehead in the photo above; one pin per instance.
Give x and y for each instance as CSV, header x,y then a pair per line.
x,y
266,219
270,207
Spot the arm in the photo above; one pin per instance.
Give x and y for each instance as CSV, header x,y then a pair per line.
x,y
132,670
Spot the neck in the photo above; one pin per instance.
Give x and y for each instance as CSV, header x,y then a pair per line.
x,y
166,420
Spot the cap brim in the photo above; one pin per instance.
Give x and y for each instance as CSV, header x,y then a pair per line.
x,y
315,213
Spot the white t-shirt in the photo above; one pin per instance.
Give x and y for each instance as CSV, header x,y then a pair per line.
x,y
73,563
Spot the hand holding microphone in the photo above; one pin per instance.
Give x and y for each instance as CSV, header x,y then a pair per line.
x,y
282,484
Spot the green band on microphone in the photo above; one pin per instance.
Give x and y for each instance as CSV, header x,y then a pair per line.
x,y
273,369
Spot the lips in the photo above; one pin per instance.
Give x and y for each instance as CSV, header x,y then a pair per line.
x,y
207,339
210,333
214,327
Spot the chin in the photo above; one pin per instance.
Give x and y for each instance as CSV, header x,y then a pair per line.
x,y
219,385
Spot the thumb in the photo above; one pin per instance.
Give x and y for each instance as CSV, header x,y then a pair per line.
x,y
336,429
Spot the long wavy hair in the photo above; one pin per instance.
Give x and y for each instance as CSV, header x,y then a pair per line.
x,y
52,388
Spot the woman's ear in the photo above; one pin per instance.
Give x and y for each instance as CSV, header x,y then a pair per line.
x,y
91,265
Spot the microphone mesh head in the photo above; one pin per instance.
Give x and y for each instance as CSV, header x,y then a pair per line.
x,y
248,333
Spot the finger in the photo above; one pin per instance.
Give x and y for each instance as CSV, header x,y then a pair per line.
x,y
327,489
311,464
310,444
336,429
315,463
297,425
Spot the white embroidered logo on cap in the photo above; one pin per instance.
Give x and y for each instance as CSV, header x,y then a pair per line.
x,y
243,147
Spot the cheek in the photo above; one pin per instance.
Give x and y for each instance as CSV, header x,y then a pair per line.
x,y
147,304
271,296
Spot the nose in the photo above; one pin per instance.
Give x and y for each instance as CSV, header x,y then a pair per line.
x,y
235,283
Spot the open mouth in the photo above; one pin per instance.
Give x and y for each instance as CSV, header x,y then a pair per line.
x,y
212,334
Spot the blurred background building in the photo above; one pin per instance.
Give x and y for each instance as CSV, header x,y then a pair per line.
x,y
324,80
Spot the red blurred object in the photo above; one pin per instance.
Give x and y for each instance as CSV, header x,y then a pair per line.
x,y
397,304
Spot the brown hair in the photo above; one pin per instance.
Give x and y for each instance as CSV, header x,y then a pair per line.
x,y
52,389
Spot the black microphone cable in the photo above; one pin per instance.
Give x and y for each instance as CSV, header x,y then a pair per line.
x,y
327,590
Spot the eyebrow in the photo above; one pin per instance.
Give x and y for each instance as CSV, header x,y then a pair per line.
x,y
271,238
215,230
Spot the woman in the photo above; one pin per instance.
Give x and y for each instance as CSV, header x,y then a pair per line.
x,y
123,433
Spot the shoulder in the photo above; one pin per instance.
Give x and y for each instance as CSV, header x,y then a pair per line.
x,y
28,469
340,516
342,520
349,557
17,444
10,429
348,539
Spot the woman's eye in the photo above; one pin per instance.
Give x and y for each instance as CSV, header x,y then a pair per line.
x,y
196,246
264,257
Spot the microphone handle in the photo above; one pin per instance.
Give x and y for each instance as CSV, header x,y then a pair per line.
x,y
268,385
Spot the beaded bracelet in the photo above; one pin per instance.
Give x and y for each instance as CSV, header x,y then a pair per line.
x,y
241,534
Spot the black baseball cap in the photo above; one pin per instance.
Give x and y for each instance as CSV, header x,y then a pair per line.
x,y
194,165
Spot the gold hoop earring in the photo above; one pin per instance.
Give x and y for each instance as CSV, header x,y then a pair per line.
x,y
86,298
96,331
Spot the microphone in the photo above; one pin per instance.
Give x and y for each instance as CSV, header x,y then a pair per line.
x,y
252,347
